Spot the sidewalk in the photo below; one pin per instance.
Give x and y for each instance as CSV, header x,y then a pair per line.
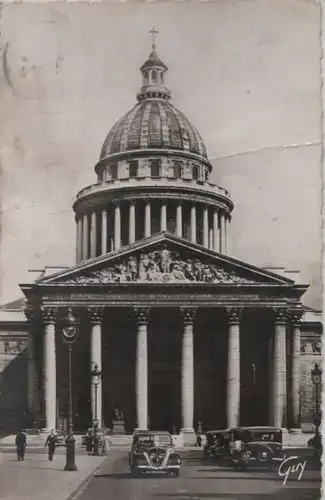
x,y
38,479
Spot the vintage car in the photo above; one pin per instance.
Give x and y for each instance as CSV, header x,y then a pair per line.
x,y
153,452
255,447
216,445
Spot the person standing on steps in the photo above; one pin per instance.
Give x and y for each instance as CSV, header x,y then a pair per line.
x,y
50,442
21,443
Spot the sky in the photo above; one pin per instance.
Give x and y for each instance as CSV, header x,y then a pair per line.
x,y
246,74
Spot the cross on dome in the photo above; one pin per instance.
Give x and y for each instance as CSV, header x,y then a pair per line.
x,y
154,32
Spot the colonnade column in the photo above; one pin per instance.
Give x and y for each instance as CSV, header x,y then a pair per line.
x,y
295,371
225,227
93,234
141,370
117,226
147,219
32,385
233,379
85,231
188,376
49,367
205,227
216,243
163,216
179,219
79,239
96,315
131,222
193,223
279,369
221,233
104,232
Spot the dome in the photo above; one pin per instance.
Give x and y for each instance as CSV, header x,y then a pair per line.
x,y
153,124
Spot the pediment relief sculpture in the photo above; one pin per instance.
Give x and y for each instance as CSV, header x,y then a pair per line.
x,y
161,266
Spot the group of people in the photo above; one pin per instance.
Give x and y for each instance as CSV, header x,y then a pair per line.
x,y
105,442
21,444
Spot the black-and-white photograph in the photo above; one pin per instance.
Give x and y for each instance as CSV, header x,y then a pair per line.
x,y
160,293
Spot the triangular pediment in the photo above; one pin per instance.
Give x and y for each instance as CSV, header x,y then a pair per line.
x,y
164,258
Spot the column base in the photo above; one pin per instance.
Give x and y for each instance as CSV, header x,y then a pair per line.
x,y
188,437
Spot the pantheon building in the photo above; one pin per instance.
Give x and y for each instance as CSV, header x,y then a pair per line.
x,y
182,332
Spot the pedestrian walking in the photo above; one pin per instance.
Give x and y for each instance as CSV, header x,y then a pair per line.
x,y
21,443
198,441
90,442
50,442
107,443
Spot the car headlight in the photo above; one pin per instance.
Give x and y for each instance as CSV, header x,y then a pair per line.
x,y
264,454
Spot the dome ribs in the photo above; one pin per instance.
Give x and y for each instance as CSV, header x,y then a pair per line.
x,y
154,127
165,130
144,132
133,138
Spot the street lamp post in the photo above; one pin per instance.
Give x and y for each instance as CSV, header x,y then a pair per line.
x,y
96,376
316,376
69,334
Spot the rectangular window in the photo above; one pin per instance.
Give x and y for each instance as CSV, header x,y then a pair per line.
x,y
133,168
155,168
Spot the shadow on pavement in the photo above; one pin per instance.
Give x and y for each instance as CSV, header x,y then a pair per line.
x,y
256,478
283,494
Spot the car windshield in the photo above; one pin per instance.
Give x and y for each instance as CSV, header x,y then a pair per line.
x,y
154,440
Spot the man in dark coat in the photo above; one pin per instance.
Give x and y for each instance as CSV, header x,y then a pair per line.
x,y
51,441
21,443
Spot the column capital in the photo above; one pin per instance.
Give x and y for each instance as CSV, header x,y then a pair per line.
x,y
142,315
31,314
295,316
96,315
280,315
116,203
49,314
234,314
188,314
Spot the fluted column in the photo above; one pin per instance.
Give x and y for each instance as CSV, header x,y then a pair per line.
x,y
49,367
221,233
179,219
96,315
233,384
279,369
32,382
216,242
163,216
188,371
93,234
104,233
205,227
193,223
211,238
295,371
117,226
141,375
225,243
78,240
85,236
147,219
131,222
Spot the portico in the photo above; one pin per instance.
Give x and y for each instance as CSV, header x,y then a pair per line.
x,y
199,337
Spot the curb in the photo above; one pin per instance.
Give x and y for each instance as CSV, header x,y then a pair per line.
x,y
81,486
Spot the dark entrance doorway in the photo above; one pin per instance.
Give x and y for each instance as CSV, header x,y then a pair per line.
x,y
161,407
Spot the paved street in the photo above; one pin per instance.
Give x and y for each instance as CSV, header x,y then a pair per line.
x,y
198,482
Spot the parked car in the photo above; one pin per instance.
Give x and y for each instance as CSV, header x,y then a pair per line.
x,y
216,446
255,447
316,444
153,451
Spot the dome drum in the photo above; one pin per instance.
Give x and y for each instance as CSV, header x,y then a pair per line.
x,y
120,222
153,165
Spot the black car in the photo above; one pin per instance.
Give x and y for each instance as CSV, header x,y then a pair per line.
x,y
153,451
255,447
